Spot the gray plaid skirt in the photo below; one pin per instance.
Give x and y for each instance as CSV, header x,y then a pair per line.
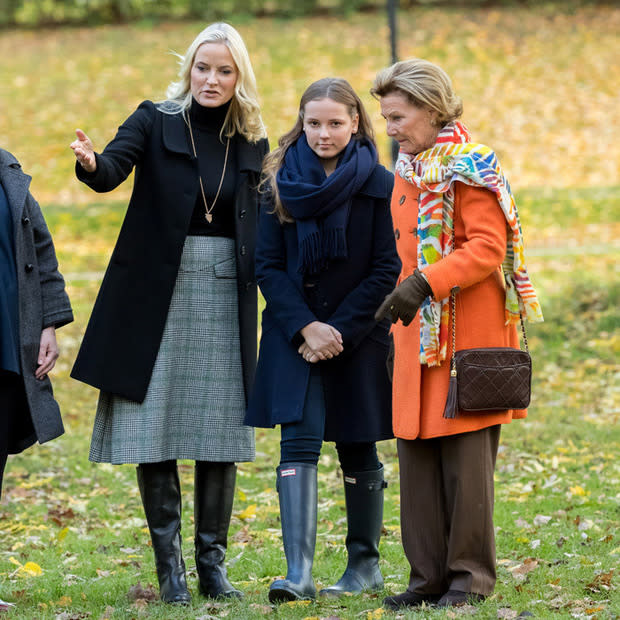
x,y
195,402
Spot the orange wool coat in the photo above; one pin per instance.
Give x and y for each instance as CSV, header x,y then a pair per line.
x,y
419,392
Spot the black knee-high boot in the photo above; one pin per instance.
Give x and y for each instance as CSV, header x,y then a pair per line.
x,y
297,489
214,492
161,498
364,501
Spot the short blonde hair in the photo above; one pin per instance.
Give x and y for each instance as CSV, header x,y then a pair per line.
x,y
424,84
244,113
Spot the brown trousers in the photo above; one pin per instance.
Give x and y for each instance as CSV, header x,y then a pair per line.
x,y
446,490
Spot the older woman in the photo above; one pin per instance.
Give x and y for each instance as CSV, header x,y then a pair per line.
x,y
455,222
171,342
33,304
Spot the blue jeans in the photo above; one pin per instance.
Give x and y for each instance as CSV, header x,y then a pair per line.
x,y
301,441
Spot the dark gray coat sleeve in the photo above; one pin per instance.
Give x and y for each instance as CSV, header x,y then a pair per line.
x,y
55,301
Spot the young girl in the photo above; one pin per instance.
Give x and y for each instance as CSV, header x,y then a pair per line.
x,y
325,259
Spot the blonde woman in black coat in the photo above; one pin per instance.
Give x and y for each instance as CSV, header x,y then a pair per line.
x,y
171,342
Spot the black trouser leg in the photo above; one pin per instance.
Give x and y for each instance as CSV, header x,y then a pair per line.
x,y
214,493
297,490
5,420
16,429
161,497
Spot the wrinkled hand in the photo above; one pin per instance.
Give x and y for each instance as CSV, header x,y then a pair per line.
x,y
405,300
84,151
322,341
48,353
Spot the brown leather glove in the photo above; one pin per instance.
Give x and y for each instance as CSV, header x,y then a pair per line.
x,y
405,300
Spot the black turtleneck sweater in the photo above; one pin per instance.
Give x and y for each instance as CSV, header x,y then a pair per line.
x,y
206,126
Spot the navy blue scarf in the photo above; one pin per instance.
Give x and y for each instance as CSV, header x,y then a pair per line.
x,y
320,204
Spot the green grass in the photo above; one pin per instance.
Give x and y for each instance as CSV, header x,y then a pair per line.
x,y
83,523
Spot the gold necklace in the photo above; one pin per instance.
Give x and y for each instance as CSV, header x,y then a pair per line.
x,y
208,208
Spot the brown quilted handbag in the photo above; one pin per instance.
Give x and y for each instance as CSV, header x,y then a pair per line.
x,y
488,379
492,379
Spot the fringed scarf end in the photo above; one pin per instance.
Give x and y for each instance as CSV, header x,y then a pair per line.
x,y
310,254
334,243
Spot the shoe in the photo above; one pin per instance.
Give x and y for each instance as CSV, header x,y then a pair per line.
x,y
214,493
409,599
364,500
456,598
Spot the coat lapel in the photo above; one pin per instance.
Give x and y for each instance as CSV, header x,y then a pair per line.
x,y
15,183
248,155
174,134
377,185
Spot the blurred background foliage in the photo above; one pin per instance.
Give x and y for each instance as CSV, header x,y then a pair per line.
x,y
33,13
539,84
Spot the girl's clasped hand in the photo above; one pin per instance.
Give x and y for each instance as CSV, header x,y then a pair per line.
x,y
321,342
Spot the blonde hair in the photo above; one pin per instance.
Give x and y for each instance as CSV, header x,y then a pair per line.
x,y
424,84
244,113
336,89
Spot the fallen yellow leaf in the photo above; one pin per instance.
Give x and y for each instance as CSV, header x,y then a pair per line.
x,y
37,482
32,569
248,513
62,534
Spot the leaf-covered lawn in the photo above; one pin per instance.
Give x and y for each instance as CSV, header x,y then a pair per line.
x,y
73,538
539,87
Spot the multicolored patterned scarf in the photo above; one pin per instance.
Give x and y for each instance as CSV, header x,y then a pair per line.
x,y
434,171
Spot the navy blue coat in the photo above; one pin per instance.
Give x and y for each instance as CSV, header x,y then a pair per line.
x,y
345,295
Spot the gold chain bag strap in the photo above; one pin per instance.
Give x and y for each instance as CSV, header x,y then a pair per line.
x,y
487,379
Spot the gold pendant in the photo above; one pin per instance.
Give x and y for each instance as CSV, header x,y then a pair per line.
x,y
208,217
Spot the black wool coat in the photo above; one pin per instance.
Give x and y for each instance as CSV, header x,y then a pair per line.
x,y
123,335
43,301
